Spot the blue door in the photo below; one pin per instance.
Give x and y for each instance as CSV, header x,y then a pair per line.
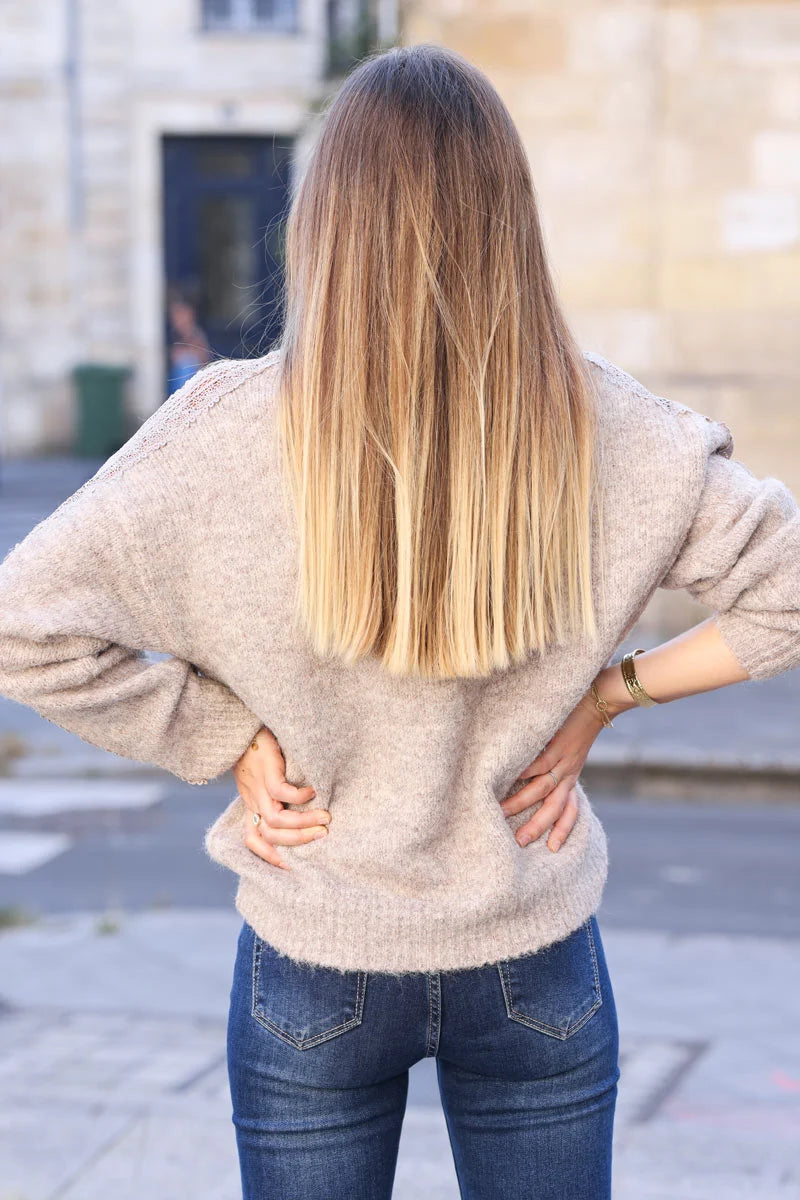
x,y
225,205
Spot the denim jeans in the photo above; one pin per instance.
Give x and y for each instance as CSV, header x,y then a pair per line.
x,y
526,1056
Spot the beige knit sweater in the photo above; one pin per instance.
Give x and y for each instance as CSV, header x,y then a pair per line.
x,y
183,543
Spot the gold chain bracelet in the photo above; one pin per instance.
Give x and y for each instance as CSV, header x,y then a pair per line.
x,y
632,682
602,707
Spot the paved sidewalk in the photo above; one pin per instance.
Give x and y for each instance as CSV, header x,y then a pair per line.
x,y
113,1082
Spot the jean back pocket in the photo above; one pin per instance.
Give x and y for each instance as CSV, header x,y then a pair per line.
x,y
301,1003
555,990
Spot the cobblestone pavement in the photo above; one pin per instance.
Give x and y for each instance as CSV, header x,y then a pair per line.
x,y
113,1078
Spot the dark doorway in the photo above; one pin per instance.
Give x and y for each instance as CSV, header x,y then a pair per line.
x,y
225,205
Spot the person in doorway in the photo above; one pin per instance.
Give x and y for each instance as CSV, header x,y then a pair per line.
x,y
188,349
390,563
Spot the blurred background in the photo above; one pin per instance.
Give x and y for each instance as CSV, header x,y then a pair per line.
x,y
146,157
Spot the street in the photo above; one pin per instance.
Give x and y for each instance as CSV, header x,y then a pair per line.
x,y
677,866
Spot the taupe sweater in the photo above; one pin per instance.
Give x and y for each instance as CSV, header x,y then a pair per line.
x,y
183,543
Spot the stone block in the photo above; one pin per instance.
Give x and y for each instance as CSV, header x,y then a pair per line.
x,y
681,32
688,225
760,34
590,164
756,343
609,37
633,338
759,219
604,285
708,104
728,284
783,94
542,103
523,41
776,158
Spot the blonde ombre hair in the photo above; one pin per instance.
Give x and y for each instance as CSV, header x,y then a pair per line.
x,y
437,416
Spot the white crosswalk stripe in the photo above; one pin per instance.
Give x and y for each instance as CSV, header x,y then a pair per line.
x,y
41,798
22,851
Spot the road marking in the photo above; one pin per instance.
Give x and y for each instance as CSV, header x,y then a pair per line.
x,y
21,852
37,798
682,875
650,1070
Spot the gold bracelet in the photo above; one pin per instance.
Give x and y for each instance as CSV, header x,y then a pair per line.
x,y
632,681
602,707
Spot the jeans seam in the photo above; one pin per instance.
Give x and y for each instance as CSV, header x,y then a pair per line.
x,y
433,1014
544,1026
593,950
254,973
303,1043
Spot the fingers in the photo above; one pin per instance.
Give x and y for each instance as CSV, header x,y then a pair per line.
x,y
537,789
281,827
288,793
254,842
273,780
551,809
565,823
286,818
263,838
276,816
263,765
290,837
548,757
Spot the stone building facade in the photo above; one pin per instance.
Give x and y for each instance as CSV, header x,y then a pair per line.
x,y
94,95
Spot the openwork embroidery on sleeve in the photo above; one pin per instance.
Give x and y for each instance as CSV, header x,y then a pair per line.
x,y
622,379
209,385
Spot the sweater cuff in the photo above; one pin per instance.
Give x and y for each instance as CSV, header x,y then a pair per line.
x,y
761,651
229,728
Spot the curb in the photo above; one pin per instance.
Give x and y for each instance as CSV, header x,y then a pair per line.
x,y
654,777
636,776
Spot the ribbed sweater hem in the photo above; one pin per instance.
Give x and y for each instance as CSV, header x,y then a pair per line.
x,y
398,940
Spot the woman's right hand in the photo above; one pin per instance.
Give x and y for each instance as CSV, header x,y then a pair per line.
x,y
260,776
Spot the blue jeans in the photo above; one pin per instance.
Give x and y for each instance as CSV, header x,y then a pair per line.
x,y
526,1055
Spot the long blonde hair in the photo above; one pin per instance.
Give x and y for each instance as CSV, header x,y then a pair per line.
x,y
436,414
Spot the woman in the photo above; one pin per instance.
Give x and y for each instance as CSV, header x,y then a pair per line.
x,y
390,563
189,349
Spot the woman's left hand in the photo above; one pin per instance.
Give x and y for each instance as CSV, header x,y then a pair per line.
x,y
564,755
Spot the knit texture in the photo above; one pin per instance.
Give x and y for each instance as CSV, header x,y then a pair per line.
x,y
184,543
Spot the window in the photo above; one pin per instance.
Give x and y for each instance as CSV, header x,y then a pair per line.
x,y
356,28
243,16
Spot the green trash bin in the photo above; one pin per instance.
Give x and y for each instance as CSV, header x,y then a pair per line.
x,y
99,390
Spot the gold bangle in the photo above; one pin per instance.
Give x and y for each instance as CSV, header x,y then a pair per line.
x,y
632,681
602,707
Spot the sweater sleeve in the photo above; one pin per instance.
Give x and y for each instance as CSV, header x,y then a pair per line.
x,y
76,616
741,557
